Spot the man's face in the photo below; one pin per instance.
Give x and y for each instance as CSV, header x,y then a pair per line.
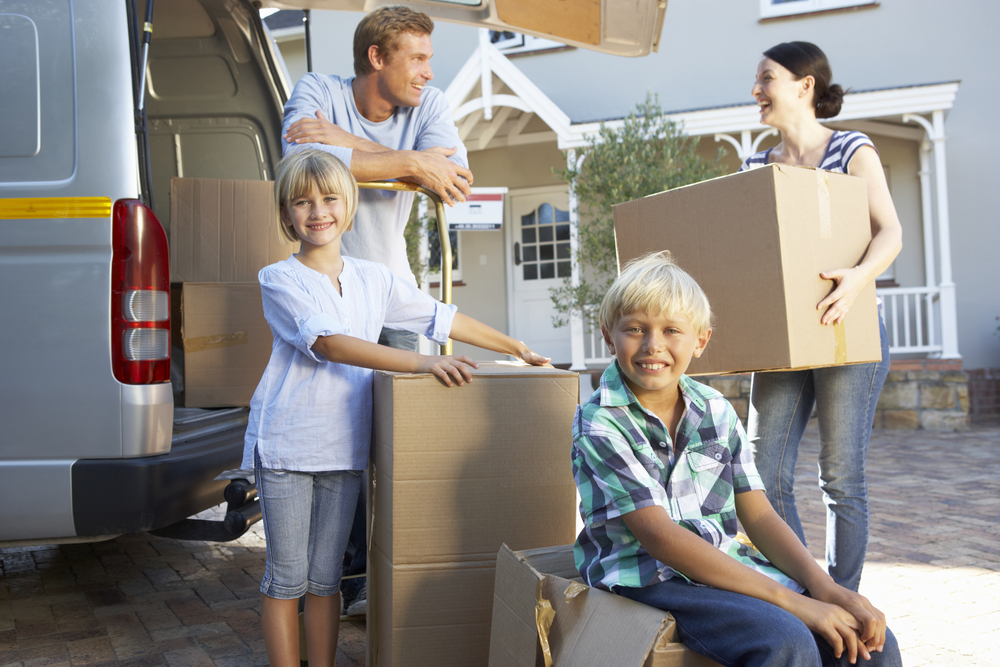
x,y
404,72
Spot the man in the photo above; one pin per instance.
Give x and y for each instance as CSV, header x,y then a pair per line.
x,y
383,123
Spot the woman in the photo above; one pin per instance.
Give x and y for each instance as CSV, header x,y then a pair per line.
x,y
793,89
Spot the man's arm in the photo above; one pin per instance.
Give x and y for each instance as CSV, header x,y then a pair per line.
x,y
441,167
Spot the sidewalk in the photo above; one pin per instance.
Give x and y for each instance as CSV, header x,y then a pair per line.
x,y
933,566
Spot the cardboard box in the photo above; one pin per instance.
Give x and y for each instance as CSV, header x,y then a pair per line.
x,y
222,230
544,615
457,472
756,242
226,343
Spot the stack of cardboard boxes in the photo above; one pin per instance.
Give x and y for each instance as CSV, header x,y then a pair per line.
x,y
222,233
457,472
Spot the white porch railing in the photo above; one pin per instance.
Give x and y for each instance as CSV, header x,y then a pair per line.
x,y
912,322
912,319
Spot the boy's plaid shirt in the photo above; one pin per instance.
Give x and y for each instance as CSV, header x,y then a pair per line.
x,y
623,460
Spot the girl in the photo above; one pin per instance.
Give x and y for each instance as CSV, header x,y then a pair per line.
x,y
793,89
311,415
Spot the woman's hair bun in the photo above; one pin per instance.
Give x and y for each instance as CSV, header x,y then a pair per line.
x,y
829,104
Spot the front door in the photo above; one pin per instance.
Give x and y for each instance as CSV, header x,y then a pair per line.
x,y
540,252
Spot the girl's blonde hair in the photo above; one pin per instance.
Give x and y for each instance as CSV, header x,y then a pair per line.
x,y
298,172
655,284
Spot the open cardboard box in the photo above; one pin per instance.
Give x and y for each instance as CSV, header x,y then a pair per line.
x,y
456,473
544,616
756,242
224,342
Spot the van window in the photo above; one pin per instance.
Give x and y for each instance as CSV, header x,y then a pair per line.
x,y
37,92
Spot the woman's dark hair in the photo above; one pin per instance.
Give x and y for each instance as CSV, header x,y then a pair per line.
x,y
804,59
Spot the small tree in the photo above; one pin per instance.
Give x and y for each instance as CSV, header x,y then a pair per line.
x,y
648,154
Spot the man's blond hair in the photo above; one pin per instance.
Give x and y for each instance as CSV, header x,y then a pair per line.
x,y
654,284
296,174
382,28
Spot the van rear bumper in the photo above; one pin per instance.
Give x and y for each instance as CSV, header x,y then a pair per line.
x,y
118,496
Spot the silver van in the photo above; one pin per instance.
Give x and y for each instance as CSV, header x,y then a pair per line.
x,y
91,445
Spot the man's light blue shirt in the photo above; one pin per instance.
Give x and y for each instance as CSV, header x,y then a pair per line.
x,y
382,215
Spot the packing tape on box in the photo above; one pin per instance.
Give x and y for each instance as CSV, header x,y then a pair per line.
x,y
202,343
574,589
823,188
840,344
544,615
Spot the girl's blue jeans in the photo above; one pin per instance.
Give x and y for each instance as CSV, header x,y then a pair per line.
x,y
845,398
735,629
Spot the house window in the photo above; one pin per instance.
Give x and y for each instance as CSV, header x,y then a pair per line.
x,y
545,245
775,8
512,42
434,260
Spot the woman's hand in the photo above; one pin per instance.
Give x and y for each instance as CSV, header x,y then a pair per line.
x,y
448,368
835,624
850,282
871,619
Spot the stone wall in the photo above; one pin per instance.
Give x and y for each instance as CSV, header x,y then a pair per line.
x,y
928,394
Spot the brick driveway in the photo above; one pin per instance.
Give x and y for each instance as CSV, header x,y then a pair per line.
x,y
933,567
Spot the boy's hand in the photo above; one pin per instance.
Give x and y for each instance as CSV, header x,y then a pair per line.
x,y
448,368
836,625
871,620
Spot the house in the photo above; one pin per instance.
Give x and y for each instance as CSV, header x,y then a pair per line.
x,y
920,84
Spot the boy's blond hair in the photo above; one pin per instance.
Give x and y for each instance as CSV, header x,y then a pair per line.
x,y
298,172
382,29
655,284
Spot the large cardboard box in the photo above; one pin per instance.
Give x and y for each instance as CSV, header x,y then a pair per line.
x,y
543,615
226,343
457,472
222,230
756,242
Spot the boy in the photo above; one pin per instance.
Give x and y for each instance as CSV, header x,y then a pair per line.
x,y
664,471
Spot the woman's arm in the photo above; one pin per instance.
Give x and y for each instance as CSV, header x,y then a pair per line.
x,y
773,538
887,239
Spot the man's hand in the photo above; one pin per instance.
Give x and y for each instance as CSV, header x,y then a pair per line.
x,y
319,130
432,169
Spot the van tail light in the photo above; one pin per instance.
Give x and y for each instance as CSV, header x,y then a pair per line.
x,y
140,296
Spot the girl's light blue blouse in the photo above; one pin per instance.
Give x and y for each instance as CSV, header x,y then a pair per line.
x,y
308,413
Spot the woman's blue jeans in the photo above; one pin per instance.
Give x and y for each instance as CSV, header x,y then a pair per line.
x,y
735,629
845,398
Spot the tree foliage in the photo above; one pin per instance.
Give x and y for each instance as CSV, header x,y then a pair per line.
x,y
647,154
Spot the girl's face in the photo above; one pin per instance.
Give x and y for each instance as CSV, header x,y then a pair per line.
x,y
779,96
318,218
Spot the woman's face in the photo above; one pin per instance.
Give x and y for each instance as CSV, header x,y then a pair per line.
x,y
779,96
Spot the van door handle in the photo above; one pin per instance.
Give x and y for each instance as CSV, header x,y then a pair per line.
x,y
517,254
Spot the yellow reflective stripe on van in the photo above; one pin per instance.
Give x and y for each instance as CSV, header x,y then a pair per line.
x,y
55,207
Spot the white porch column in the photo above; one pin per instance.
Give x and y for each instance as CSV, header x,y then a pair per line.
x,y
949,307
577,351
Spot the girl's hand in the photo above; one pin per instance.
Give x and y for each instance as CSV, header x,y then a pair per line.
x,y
871,619
850,282
448,368
835,624
533,358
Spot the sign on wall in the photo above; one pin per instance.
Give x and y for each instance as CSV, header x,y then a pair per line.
x,y
481,211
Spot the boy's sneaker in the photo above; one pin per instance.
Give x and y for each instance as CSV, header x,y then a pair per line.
x,y
358,606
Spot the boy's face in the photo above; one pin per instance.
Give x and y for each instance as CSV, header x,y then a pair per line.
x,y
654,350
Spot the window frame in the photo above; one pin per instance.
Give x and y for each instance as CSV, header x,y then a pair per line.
x,y
769,9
